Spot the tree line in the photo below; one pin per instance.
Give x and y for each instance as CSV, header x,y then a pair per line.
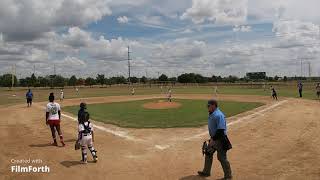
x,y
100,79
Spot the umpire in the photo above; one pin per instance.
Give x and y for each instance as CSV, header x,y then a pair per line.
x,y
218,142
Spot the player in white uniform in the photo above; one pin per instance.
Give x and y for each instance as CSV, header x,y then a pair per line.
x,y
61,95
132,91
53,117
86,137
77,91
169,95
215,90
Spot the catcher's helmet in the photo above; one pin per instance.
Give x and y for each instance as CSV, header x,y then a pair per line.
x,y
83,105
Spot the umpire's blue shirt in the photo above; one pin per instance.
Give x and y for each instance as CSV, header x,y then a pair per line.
x,y
29,94
216,121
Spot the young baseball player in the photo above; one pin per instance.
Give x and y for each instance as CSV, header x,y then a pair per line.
x,y
86,136
318,90
29,96
61,95
169,95
132,91
215,90
273,93
53,117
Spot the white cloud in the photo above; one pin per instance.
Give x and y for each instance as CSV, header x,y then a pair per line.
x,y
242,28
217,11
187,31
72,61
152,20
122,19
27,20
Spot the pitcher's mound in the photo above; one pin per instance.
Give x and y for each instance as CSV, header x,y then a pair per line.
x,y
161,105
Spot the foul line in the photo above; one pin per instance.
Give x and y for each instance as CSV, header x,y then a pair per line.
x,y
122,134
250,116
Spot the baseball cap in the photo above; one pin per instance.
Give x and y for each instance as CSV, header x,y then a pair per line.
x,y
212,102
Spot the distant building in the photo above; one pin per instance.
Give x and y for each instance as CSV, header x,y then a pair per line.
x,y
256,75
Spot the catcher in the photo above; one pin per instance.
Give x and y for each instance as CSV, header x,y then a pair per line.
x,y
86,135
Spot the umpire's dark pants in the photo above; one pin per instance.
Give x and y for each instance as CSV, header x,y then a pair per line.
x,y
300,92
222,157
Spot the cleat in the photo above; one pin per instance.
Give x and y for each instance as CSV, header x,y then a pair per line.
x,y
202,174
63,144
54,144
83,161
95,159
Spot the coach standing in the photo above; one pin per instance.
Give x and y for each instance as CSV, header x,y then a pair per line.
x,y
300,86
29,97
218,142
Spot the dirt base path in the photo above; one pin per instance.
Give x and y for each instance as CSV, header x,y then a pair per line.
x,y
277,141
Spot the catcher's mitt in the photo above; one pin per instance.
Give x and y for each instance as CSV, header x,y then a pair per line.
x,y
206,149
77,145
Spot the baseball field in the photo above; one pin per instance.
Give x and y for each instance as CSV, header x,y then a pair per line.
x,y
143,136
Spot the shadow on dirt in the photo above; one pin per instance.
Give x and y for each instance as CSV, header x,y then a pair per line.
x,y
41,145
192,177
49,144
70,163
70,140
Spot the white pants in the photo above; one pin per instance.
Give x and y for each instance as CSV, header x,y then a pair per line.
x,y
86,141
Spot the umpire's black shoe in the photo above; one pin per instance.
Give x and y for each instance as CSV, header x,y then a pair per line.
x,y
202,174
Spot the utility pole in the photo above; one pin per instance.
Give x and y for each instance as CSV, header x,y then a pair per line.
x,y
301,67
309,63
129,68
54,69
12,75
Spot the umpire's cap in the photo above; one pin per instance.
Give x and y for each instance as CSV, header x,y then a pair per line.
x,y
213,102
83,105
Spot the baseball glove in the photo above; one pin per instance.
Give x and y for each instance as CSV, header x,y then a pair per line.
x,y
77,145
206,149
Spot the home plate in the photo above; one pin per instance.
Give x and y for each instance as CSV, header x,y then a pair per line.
x,y
162,147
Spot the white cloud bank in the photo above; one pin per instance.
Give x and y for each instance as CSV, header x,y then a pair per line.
x,y
123,19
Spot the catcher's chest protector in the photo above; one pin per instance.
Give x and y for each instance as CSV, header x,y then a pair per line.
x,y
87,129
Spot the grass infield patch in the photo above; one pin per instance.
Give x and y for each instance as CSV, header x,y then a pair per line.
x,y
192,113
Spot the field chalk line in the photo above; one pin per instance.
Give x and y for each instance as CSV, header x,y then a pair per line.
x,y
250,116
122,134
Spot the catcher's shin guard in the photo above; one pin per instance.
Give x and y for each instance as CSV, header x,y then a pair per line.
x,y
84,154
94,153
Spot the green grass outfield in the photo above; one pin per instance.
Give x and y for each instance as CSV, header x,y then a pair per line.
x,y
16,96
192,113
